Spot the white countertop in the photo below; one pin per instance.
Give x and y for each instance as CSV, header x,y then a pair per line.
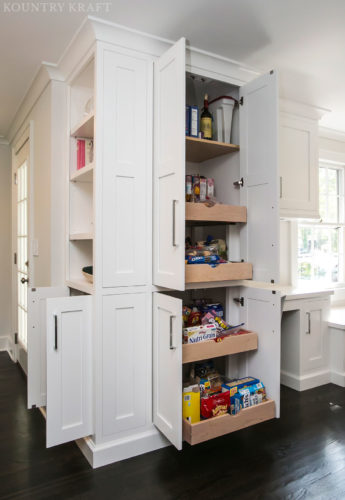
x,y
336,317
303,293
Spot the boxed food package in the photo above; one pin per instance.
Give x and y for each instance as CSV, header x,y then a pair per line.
x,y
200,333
191,403
215,405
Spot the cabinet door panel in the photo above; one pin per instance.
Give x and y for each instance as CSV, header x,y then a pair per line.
x,y
259,169
262,314
314,332
69,369
127,115
37,362
298,162
167,367
125,345
169,169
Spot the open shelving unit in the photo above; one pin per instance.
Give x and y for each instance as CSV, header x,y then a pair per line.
x,y
84,128
199,150
84,174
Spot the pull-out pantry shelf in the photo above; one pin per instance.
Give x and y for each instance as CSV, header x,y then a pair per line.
x,y
210,349
218,426
199,150
201,212
199,273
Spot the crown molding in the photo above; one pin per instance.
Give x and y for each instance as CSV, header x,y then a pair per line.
x,y
302,109
330,133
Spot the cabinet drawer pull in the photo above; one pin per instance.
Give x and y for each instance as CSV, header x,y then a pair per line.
x,y
55,333
171,346
308,331
281,186
174,223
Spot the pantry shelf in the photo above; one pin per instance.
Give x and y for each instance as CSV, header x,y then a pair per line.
x,y
84,128
199,273
200,212
80,284
84,174
80,236
225,424
210,349
199,150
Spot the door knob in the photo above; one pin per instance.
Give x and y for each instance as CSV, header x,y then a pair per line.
x,y
24,280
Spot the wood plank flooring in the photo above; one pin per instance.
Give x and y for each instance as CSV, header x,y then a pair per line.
x,y
300,456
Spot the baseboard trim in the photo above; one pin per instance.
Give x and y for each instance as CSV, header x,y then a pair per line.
x,y
121,449
6,345
305,382
338,378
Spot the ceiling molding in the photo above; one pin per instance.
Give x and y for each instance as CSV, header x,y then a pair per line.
x,y
302,109
329,133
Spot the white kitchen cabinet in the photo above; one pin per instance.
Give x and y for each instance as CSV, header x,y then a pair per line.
x,y
299,160
60,362
261,312
253,170
305,344
126,358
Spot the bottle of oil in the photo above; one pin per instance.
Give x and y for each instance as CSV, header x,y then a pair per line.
x,y
206,121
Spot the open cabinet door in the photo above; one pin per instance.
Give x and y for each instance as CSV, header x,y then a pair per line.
x,y
69,369
169,168
167,367
261,314
37,363
259,170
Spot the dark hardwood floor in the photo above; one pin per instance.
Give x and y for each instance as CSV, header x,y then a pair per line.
x,y
300,456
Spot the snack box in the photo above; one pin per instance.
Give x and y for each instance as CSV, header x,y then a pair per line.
x,y
248,396
235,385
191,403
195,334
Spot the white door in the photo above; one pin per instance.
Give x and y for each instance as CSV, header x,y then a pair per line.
x,y
37,324
262,314
127,116
259,170
167,367
69,369
21,246
169,168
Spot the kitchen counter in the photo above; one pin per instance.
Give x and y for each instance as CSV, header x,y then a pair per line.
x,y
336,317
303,293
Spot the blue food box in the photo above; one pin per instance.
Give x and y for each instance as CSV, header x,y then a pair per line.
x,y
194,121
188,112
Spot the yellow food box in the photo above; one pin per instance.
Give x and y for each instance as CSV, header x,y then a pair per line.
x,y
191,404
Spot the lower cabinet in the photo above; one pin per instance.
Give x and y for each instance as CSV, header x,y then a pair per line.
x,y
126,358
256,354
60,361
305,344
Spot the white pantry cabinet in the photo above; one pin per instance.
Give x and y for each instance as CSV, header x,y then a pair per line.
x,y
253,170
60,362
299,160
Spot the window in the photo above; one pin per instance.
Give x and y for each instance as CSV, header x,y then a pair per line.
x,y
321,244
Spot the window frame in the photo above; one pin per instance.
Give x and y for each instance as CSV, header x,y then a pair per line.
x,y
337,160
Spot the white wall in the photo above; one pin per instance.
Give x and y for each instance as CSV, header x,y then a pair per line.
x,y
5,242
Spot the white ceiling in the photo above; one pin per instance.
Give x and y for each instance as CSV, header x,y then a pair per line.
x,y
304,39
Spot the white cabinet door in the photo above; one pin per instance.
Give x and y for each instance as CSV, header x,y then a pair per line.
x,y
259,162
167,367
262,314
169,168
314,335
126,200
37,363
126,353
299,167
69,369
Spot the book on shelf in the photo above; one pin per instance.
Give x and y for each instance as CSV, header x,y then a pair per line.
x,y
84,152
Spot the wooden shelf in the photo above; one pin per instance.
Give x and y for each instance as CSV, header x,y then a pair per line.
x,y
81,284
199,273
80,236
225,424
216,213
84,174
210,349
84,128
199,150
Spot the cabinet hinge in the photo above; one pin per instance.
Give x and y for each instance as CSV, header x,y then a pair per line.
x,y
15,178
33,407
15,258
239,300
16,338
241,101
239,183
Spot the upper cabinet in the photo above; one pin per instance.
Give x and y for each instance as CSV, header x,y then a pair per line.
x,y
243,170
299,160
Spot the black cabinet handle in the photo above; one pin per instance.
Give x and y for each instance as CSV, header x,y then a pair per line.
x,y
56,332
